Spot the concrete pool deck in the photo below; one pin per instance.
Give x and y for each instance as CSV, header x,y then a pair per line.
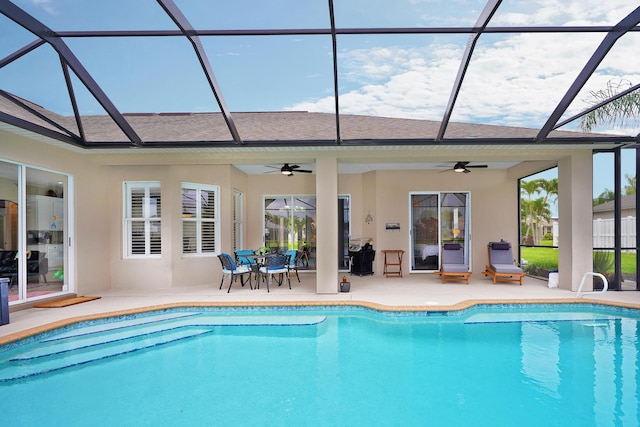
x,y
411,292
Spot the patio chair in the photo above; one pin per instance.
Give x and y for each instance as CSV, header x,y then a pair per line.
x,y
229,268
241,256
501,266
294,258
247,257
452,266
275,264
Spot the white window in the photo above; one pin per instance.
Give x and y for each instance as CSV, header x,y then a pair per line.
x,y
200,233
237,220
142,219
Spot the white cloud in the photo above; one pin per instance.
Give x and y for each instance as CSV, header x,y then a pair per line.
x,y
46,5
512,80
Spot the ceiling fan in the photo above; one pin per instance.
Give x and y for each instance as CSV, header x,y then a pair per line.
x,y
288,170
464,167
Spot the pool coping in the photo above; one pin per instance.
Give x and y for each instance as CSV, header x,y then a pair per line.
x,y
436,309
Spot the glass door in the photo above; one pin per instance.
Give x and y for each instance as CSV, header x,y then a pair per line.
x,y
290,223
425,231
33,230
437,218
45,226
454,220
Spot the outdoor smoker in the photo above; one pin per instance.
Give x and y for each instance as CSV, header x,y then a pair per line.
x,y
361,255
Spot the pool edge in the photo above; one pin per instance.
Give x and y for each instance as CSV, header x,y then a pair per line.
x,y
27,333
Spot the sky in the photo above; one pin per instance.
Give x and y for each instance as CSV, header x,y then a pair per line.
x,y
512,80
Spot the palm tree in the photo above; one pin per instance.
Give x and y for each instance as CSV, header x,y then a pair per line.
x,y
550,189
528,188
540,212
630,188
620,112
604,197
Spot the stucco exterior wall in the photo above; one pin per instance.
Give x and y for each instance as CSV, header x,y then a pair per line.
x,y
97,260
89,251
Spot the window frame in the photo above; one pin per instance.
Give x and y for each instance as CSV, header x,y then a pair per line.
x,y
238,220
147,219
199,220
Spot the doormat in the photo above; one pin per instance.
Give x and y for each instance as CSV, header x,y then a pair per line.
x,y
65,302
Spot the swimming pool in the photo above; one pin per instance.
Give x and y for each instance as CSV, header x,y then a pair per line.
x,y
505,365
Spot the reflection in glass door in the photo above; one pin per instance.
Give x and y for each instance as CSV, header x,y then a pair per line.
x,y
425,222
32,231
9,237
437,218
453,220
45,228
290,223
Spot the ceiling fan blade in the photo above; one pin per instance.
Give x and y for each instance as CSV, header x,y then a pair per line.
x,y
302,171
477,166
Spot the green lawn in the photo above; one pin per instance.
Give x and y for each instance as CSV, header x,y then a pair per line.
x,y
547,259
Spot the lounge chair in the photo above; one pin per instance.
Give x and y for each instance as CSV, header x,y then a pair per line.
x,y
452,266
501,265
229,268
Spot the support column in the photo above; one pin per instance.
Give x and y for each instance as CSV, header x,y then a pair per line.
x,y
575,219
326,225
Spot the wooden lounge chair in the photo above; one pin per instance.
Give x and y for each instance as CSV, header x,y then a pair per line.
x,y
501,266
452,266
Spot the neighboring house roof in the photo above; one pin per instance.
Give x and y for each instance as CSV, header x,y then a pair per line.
x,y
627,202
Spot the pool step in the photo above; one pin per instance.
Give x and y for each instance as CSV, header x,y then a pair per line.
x,y
18,368
98,342
537,317
122,324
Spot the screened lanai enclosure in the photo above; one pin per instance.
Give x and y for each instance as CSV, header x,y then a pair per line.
x,y
479,85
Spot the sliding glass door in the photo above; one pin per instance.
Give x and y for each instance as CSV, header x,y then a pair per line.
x,y
33,231
437,218
290,223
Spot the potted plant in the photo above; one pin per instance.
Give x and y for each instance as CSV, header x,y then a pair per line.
x,y
344,285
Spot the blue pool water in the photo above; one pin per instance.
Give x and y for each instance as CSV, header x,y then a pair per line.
x,y
517,365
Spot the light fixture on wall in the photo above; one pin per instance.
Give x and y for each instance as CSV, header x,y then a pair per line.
x,y
368,219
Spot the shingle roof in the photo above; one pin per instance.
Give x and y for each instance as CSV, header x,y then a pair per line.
x,y
627,202
296,127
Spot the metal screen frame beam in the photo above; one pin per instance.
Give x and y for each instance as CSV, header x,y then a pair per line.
x,y
41,130
36,27
334,46
484,18
189,32
624,26
15,100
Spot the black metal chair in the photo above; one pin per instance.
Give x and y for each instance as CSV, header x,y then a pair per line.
x,y
275,264
229,268
294,258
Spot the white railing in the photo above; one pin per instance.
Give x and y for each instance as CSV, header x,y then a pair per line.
x,y
605,284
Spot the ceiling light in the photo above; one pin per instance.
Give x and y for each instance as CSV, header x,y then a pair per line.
x,y
286,172
459,167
